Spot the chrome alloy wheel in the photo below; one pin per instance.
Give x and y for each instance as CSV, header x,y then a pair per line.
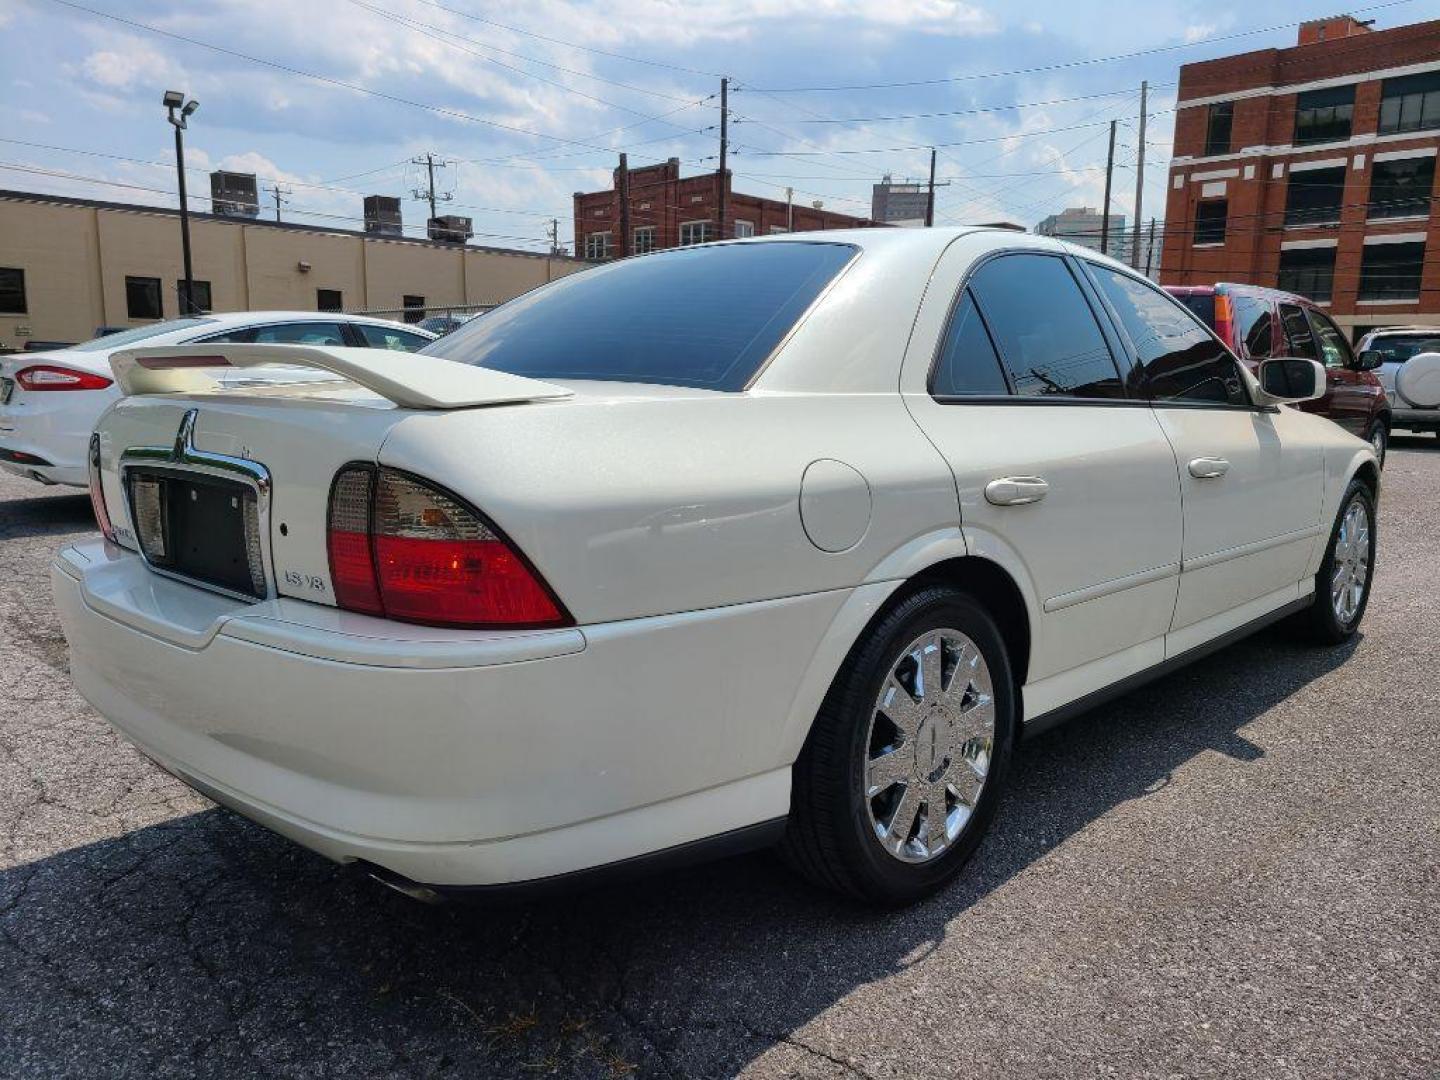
x,y
1351,563
932,732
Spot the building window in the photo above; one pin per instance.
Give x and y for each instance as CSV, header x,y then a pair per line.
x,y
142,298
1313,196
1324,115
1217,128
1210,221
1308,272
1402,188
597,245
744,229
329,300
694,232
414,308
12,291
1391,271
644,241
1411,103
778,229
199,293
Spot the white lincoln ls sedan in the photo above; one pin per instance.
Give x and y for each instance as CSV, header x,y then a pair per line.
x,y
788,540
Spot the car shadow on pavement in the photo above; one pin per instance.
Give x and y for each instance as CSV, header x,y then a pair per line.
x,y
207,946
46,515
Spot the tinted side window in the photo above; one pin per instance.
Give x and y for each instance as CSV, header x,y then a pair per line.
x,y
391,337
1300,341
302,333
1046,333
968,364
1182,361
1254,325
1334,349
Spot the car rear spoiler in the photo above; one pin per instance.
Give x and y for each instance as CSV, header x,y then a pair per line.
x,y
410,380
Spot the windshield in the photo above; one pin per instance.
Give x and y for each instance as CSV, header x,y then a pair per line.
x,y
705,317
1396,350
140,333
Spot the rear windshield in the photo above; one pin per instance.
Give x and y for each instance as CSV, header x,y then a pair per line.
x,y
139,333
1201,305
706,317
1396,349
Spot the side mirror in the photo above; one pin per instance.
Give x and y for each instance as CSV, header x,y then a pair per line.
x,y
1289,380
1369,360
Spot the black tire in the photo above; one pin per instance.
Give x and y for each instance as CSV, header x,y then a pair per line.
x,y
1379,437
1320,622
830,838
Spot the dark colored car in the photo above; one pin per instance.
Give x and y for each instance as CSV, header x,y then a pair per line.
x,y
1261,323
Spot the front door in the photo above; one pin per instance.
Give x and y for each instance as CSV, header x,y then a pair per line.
x,y
1349,393
1063,476
1250,477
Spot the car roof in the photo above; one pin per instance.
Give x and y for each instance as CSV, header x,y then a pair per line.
x,y
1240,288
248,318
1383,331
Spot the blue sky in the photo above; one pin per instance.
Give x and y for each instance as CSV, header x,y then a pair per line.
x,y
526,116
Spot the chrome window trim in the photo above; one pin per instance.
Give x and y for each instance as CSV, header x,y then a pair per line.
x,y
182,456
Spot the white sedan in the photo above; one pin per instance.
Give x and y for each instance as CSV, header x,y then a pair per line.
x,y
49,401
782,540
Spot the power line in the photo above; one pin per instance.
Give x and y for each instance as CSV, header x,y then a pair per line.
x,y
575,44
448,34
439,110
1063,65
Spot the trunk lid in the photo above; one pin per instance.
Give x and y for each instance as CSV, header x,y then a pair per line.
x,y
284,445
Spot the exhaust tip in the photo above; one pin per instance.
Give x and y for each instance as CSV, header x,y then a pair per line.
x,y
401,884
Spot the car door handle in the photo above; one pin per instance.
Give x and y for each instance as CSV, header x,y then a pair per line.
x,y
1016,490
1209,468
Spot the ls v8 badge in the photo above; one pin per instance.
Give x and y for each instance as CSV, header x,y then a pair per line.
x,y
298,580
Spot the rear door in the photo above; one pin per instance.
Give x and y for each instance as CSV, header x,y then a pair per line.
x,y
1063,474
1250,480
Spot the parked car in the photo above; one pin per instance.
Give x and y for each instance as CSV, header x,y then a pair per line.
x,y
1259,324
49,402
1415,352
778,540
441,325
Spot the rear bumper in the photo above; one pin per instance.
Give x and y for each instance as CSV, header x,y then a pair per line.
x,y
446,757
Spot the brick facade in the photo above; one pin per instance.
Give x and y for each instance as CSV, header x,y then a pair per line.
x,y
1253,173
664,201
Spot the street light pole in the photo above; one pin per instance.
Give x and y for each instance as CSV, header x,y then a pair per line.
x,y
173,100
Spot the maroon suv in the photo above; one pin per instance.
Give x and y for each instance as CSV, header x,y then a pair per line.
x,y
1259,323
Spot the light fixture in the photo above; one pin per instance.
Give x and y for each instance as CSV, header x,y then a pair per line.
x,y
173,99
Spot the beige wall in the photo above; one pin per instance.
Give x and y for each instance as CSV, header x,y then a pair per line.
x,y
76,257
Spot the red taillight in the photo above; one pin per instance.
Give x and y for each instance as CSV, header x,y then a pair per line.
x,y
404,549
50,377
97,492
1224,321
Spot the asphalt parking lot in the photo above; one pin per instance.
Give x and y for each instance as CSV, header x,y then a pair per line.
x,y
1232,872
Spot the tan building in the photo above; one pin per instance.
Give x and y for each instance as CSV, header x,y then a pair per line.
x,y
68,266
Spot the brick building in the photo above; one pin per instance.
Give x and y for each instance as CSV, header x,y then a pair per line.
x,y
1312,169
668,210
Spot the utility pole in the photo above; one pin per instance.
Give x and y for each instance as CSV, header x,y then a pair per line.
x,y
789,209
173,100
930,201
1105,213
277,191
428,191
724,148
1150,247
1139,180
554,245
624,186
